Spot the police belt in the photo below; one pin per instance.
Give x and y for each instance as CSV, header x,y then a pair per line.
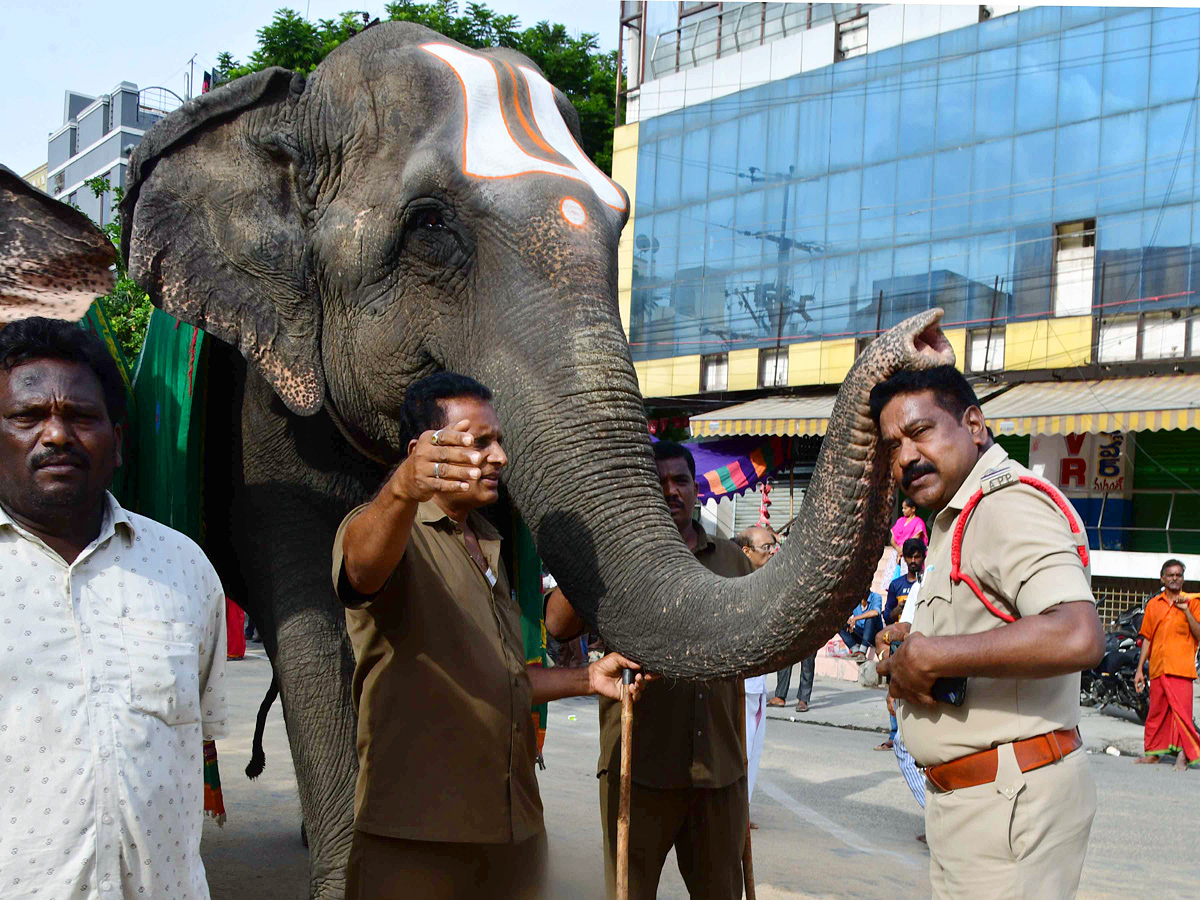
x,y
980,768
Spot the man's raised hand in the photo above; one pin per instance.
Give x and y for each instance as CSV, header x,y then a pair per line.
x,y
439,462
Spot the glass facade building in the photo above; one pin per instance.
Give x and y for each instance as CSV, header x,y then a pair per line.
x,y
1037,164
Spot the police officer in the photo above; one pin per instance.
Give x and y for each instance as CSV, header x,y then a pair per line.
x,y
988,679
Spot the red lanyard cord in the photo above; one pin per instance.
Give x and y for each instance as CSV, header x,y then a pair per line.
x,y
957,576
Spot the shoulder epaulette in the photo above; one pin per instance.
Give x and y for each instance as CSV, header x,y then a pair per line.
x,y
996,479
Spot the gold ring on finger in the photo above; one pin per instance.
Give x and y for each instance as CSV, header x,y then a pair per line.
x,y
436,437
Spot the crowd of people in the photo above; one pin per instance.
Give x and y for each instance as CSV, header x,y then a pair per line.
x,y
121,671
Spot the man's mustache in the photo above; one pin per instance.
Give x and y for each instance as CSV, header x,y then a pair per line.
x,y
67,455
915,471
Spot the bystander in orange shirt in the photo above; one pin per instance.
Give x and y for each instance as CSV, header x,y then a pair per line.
x,y
1172,646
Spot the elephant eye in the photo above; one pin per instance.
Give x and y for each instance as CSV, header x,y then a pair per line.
x,y
428,220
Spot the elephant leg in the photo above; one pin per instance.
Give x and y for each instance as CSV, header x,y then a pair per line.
x,y
314,664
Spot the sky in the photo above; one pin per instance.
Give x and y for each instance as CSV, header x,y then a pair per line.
x,y
90,46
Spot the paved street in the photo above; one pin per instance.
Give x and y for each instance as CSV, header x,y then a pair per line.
x,y
837,820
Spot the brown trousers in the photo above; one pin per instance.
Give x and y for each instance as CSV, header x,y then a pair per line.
x,y
384,868
706,826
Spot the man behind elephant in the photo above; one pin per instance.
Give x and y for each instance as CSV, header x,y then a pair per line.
x,y
447,800
115,631
1009,798
688,770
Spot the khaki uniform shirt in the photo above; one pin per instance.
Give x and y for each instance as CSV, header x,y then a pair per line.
x,y
446,746
1019,548
685,734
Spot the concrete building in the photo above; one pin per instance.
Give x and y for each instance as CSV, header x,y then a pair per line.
x,y
803,176
37,177
96,138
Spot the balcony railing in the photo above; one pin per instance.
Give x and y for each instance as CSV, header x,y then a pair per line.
x,y
1176,532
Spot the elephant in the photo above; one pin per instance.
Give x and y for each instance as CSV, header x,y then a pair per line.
x,y
54,261
413,206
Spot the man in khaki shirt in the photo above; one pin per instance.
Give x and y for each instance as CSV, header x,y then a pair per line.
x,y
1009,798
688,769
446,803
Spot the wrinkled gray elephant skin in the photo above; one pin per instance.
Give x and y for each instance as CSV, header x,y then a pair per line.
x,y
414,206
54,261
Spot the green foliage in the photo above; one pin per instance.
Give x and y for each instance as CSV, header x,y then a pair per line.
x,y
127,306
574,65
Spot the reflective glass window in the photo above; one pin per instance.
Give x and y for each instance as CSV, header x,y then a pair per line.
x,y
783,124
720,233
808,226
1166,237
749,216
722,159
752,148
991,185
955,102
845,194
1175,35
914,185
664,245
1081,15
998,32
812,145
918,110
1170,138
995,93
1037,84
919,51
1033,258
666,177
780,220
841,294
846,129
647,157
882,119
874,278
1037,21
951,192
1122,161
878,205
990,254
910,289
1126,62
1076,158
692,242
1033,177
694,166
948,266
807,276
1081,72
1119,260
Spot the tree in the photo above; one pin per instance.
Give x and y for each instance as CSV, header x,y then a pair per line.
x,y
574,65
127,306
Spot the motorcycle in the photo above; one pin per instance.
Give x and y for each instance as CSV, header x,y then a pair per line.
x,y
1112,681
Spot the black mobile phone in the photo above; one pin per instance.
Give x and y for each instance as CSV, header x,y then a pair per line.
x,y
949,690
896,645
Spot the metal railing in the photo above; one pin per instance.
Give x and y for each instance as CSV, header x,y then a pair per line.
x,y
702,38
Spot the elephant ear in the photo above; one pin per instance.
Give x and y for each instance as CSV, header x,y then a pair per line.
x,y
213,228
54,260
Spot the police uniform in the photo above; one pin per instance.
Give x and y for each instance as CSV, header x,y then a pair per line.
x,y
688,773
1023,834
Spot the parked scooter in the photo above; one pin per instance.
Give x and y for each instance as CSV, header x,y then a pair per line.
x,y
1112,681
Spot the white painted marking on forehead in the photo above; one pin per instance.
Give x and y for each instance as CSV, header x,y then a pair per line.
x,y
489,149
573,211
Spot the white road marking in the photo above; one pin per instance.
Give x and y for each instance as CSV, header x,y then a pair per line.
x,y
845,835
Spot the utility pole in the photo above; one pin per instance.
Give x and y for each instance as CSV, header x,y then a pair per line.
x,y
191,75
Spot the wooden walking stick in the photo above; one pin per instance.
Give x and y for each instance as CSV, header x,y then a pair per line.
x,y
747,859
627,676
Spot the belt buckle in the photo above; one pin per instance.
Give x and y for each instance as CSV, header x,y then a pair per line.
x,y
1055,749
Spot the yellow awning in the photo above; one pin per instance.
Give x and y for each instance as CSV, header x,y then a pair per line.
x,y
1149,403
769,415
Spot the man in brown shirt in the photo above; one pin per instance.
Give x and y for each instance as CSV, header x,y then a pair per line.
x,y
688,769
446,803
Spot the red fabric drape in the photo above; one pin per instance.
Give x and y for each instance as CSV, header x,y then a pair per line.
x,y
1169,727
235,630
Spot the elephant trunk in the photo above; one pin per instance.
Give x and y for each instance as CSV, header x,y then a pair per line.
x,y
583,477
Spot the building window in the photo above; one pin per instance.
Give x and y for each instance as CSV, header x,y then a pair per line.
x,y
773,367
852,38
1168,334
714,372
60,182
985,349
1074,267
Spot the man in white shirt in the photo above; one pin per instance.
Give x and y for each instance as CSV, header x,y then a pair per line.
x,y
112,644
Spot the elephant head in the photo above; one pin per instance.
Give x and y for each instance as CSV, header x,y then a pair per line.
x,y
413,206
54,261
